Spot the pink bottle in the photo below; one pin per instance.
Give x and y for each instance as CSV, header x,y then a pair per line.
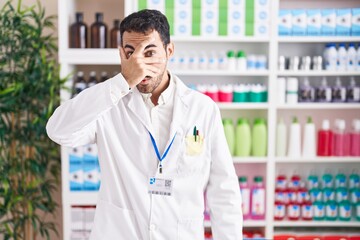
x,y
245,195
341,139
213,92
226,93
355,138
258,199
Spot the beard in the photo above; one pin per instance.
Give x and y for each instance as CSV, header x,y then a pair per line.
x,y
151,84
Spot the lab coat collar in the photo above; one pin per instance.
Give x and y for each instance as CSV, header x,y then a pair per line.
x,y
164,97
181,103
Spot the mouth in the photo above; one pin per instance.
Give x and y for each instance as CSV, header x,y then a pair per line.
x,y
145,80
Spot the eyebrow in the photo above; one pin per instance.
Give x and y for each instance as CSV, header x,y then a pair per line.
x,y
132,48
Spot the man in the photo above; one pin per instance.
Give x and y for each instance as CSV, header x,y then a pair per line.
x,y
161,145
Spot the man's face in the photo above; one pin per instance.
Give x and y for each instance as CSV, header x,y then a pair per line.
x,y
131,41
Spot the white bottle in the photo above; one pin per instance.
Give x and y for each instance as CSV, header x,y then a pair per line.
x,y
203,61
338,91
309,141
326,55
241,61
231,61
357,67
353,92
193,61
213,61
351,65
261,62
251,62
294,150
332,57
342,61
281,139
281,90
292,89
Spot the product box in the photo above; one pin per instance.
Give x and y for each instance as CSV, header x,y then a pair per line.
x,y
209,22
262,10
77,219
313,22
299,22
91,168
89,216
183,18
343,22
76,169
355,24
285,23
328,22
261,29
236,18
156,4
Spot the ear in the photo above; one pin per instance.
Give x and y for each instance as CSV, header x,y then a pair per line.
x,y
170,49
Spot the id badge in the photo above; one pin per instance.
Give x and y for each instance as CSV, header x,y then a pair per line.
x,y
160,186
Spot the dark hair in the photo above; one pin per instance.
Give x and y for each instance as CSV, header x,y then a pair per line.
x,y
144,21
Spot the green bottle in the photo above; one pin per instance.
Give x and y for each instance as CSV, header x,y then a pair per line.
x,y
243,138
229,134
259,138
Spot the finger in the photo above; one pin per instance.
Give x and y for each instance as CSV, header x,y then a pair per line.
x,y
153,69
122,54
139,50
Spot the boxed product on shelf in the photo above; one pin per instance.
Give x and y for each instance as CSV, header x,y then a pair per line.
x,y
355,27
285,22
313,22
343,22
299,22
328,25
82,218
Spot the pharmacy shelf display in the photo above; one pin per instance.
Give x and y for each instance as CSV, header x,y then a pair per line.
x,y
254,36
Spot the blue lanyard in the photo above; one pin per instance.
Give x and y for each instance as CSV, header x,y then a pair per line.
x,y
157,150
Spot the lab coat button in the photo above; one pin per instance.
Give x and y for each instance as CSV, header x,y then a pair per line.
x,y
152,227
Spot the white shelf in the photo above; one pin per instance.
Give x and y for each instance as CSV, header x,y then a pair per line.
x,y
250,159
90,56
318,160
247,223
83,198
219,39
240,106
326,106
219,73
318,73
318,39
316,224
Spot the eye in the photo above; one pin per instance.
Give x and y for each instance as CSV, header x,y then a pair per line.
x,y
128,54
150,53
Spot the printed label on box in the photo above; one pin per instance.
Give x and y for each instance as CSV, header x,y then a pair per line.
x,y
285,23
328,22
343,22
299,22
314,22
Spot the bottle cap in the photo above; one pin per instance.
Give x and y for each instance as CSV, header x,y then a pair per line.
x,y
338,82
306,82
258,179
80,74
259,121
241,54
341,44
242,179
352,82
356,125
341,124
99,16
92,74
242,121
79,16
227,121
324,82
104,74
117,23
230,54
351,44
326,124
309,120
295,120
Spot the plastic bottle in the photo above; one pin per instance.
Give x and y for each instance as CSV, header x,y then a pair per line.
x,y
259,138
194,61
331,57
243,138
340,179
323,92
79,83
279,211
92,79
355,138
251,62
229,134
358,58
78,32
241,61
353,91
281,90
213,92
354,179
325,139
345,211
294,150
98,32
115,37
313,180
280,189
281,140
258,199
213,61
104,76
351,65
307,92
241,93
327,180
309,143
338,91
307,211
342,58
224,62
292,88
245,195
340,138
231,61
319,211
331,211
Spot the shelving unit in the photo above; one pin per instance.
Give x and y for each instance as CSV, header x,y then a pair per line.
x,y
70,59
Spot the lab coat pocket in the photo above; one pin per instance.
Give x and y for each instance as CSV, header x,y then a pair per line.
x,y
192,228
192,158
112,222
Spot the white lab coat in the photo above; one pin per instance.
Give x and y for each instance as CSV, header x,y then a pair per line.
x,y
117,120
